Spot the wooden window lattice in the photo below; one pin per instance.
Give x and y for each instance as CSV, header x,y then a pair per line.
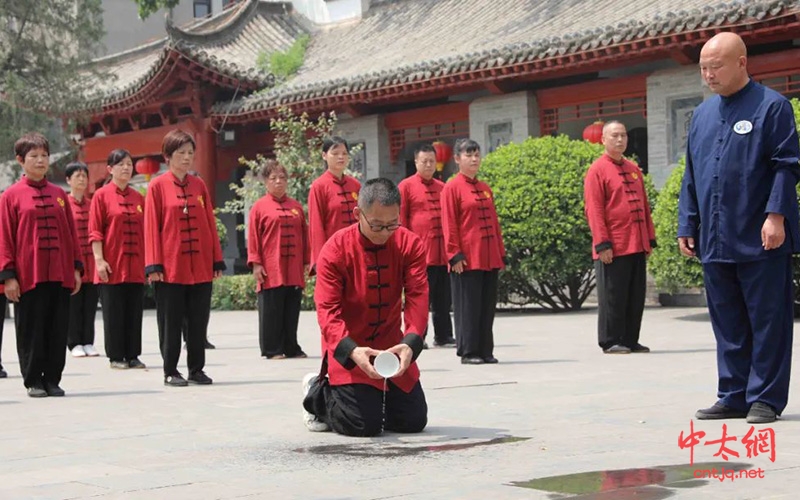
x,y
552,118
399,138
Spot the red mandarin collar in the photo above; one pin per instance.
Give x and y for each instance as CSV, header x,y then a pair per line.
x,y
77,201
466,178
124,191
337,181
277,199
425,181
39,184
618,163
181,183
366,243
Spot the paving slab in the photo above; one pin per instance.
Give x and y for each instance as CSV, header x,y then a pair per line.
x,y
554,406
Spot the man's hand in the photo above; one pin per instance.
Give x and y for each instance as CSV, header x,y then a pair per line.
x,y
217,274
606,256
360,357
103,270
687,246
153,277
12,289
259,273
773,233
405,354
458,267
77,283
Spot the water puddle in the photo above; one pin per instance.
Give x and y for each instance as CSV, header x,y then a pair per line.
x,y
652,483
378,449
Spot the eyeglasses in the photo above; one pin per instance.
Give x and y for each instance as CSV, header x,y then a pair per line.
x,y
380,227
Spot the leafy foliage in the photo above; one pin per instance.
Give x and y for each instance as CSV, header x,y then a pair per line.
x,y
284,64
671,270
538,186
234,293
149,7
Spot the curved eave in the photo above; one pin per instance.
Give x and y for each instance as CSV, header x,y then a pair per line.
x,y
657,39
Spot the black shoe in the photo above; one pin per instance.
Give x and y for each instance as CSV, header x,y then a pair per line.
x,y
299,355
491,360
472,360
175,380
451,342
209,345
617,349
136,364
53,390
37,391
424,345
640,348
718,412
761,413
200,378
3,373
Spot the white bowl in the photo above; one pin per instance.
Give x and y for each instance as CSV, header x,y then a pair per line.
x,y
387,364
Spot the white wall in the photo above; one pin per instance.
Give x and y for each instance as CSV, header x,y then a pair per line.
x,y
331,11
671,94
371,131
519,108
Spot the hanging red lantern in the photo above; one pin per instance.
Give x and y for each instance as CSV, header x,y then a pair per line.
x,y
594,132
443,154
148,166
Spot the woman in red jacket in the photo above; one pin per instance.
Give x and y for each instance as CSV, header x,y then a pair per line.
x,y
116,230
475,253
278,251
332,197
182,257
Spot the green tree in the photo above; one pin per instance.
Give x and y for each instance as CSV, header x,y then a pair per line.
x,y
149,7
538,186
42,43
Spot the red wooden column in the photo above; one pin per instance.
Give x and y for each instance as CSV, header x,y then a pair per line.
x,y
205,157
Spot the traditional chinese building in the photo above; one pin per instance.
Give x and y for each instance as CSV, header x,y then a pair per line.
x,y
403,71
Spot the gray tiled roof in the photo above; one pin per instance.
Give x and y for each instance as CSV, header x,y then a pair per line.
x,y
405,41
229,44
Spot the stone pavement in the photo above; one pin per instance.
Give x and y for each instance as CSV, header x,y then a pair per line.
x,y
553,406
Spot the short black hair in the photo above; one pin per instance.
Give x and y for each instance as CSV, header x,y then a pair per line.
x,y
116,156
380,190
465,146
332,141
75,166
423,148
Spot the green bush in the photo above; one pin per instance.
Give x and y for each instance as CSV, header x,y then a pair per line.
x,y
670,269
538,187
238,293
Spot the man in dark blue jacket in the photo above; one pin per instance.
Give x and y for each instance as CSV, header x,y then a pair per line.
x,y
738,213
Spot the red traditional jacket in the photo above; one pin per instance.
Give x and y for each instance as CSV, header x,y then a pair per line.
x,y
38,240
471,229
421,212
330,208
80,215
617,209
277,238
180,231
117,220
359,297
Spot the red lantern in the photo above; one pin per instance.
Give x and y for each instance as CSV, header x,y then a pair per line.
x,y
443,154
594,132
148,166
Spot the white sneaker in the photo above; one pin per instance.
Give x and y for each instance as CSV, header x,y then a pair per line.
x,y
78,352
90,350
310,420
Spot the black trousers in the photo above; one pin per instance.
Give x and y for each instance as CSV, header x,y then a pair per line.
x,y
82,311
278,316
357,409
41,317
440,300
174,303
3,303
123,306
621,288
474,303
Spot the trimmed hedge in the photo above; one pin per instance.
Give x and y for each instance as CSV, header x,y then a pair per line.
x,y
238,293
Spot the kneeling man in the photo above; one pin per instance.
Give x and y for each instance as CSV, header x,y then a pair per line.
x,y
363,274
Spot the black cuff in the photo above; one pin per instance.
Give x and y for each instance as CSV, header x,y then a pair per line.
x,y
79,267
653,244
606,245
7,274
458,258
343,351
505,260
415,342
155,268
220,266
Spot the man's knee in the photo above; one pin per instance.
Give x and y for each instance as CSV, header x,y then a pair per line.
x,y
364,425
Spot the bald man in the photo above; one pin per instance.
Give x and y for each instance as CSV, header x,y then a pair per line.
x,y
622,236
738,214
